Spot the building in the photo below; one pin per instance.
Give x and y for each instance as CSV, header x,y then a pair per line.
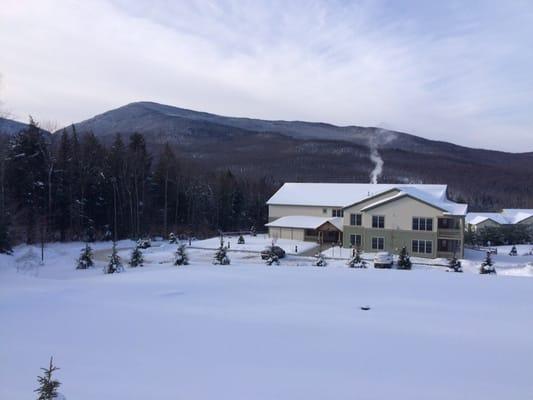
x,y
374,217
507,217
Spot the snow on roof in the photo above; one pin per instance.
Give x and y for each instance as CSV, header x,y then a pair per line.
x,y
476,218
508,216
515,215
345,194
305,222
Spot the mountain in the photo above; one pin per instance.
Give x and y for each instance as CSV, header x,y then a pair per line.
x,y
309,151
11,127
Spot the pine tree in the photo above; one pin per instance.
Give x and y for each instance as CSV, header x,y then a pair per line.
x,y
181,257
404,262
137,258
5,240
86,258
220,256
356,261
48,386
487,266
455,265
240,240
320,260
114,265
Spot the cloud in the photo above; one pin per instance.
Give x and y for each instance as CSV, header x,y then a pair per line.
x,y
455,72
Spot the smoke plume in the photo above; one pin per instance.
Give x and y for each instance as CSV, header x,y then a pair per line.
x,y
378,163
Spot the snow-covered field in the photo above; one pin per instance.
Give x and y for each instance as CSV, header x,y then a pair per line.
x,y
248,331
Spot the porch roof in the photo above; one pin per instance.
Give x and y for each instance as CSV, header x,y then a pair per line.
x,y
305,222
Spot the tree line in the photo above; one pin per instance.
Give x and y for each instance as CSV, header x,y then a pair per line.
x,y
77,188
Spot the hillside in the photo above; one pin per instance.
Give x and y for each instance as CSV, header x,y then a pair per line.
x,y
308,151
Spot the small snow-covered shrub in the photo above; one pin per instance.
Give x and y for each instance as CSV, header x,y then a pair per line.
x,y
181,257
404,262
86,258
487,266
114,265
221,257
320,260
455,265
356,261
241,240
172,238
137,259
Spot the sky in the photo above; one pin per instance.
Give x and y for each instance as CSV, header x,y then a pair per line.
x,y
457,71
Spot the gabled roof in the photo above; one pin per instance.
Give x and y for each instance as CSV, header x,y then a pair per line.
x,y
343,195
508,216
305,222
477,218
516,215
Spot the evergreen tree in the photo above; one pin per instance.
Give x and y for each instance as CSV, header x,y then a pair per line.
x,y
5,240
27,175
320,260
404,262
181,257
487,266
86,258
455,265
220,256
114,265
241,240
356,261
48,386
137,258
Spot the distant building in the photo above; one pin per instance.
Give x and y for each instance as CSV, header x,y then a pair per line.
x,y
374,217
507,217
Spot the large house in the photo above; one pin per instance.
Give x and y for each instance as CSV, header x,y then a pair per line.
x,y
507,217
374,217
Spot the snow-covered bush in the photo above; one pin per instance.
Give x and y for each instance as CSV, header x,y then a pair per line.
x,y
404,262
114,265
356,261
181,257
455,265
172,238
487,266
320,260
221,256
137,259
86,258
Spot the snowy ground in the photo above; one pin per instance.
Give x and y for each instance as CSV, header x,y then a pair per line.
x,y
248,331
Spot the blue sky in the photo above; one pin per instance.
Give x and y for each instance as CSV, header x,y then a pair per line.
x,y
453,71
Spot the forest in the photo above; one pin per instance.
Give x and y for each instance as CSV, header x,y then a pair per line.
x,y
76,188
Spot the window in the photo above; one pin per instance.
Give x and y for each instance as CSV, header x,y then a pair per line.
x,y
449,246
422,246
356,240
324,211
448,223
378,243
378,221
355,219
422,224
337,212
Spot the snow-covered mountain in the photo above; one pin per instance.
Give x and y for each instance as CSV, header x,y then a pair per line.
x,y
155,119
11,127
